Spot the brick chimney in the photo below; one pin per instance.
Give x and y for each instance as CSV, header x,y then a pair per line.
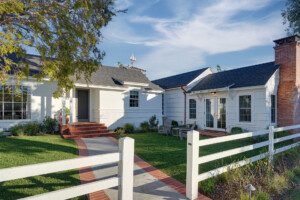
x,y
287,55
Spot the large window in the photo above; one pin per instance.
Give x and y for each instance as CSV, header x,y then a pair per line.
x,y
245,108
14,102
273,108
134,99
192,106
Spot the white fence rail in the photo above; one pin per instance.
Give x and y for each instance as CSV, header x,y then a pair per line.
x,y
193,160
125,158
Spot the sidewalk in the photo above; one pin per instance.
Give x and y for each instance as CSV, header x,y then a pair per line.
x,y
149,183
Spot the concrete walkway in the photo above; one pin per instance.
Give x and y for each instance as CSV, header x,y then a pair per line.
x,y
146,186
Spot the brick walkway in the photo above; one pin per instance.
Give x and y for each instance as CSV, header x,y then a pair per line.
x,y
86,174
150,183
210,133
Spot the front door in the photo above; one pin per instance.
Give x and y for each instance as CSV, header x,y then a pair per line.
x,y
215,113
83,105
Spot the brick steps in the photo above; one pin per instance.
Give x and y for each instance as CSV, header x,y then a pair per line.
x,y
109,134
84,130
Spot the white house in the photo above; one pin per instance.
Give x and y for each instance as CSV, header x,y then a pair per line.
x,y
252,97
114,96
176,87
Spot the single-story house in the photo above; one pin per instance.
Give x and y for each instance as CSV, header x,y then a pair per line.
x,y
176,87
252,97
114,96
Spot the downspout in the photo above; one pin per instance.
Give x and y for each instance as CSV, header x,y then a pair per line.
x,y
184,93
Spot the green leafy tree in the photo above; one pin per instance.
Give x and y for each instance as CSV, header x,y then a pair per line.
x,y
65,33
291,16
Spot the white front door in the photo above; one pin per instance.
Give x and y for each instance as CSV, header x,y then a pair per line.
x,y
215,113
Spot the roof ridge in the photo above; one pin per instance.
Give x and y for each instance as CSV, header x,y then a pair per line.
x,y
181,74
238,68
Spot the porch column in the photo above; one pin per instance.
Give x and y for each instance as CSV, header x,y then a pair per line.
x,y
71,106
63,110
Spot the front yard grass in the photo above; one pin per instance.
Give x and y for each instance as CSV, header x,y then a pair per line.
x,y
168,153
25,150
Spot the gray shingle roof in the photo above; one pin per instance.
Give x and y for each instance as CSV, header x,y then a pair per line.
x,y
179,79
104,76
114,76
255,75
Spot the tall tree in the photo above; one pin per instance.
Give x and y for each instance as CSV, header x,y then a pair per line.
x,y
65,33
291,15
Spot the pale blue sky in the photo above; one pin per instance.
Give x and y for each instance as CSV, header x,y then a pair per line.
x,y
173,36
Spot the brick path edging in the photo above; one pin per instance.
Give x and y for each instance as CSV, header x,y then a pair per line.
x,y
86,174
163,177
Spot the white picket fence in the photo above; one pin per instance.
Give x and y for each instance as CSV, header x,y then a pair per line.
x,y
125,158
193,160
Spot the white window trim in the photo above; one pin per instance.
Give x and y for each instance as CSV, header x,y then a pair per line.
x,y
251,109
193,109
138,99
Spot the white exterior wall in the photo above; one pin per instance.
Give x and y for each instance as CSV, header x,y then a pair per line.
x,y
106,106
42,103
115,110
260,115
174,104
271,88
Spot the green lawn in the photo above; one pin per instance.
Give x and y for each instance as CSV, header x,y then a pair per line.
x,y
17,151
168,153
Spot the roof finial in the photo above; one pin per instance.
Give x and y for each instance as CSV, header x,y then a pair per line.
x,y
132,59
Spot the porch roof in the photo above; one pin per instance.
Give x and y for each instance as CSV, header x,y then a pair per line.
x,y
250,76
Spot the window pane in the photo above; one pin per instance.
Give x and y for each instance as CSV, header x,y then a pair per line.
x,y
18,106
7,106
273,108
192,106
245,108
17,115
8,97
8,115
134,99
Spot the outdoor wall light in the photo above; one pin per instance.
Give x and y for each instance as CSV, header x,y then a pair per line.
x,y
250,188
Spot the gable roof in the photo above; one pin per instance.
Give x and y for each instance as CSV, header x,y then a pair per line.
x,y
116,76
255,75
179,79
104,76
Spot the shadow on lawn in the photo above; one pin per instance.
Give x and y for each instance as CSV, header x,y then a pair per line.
x,y
31,147
36,185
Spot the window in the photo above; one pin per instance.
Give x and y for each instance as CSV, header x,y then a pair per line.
x,y
163,104
273,108
14,102
134,99
245,108
192,105
209,113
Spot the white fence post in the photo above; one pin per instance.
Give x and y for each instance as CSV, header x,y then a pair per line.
x,y
192,166
126,170
271,144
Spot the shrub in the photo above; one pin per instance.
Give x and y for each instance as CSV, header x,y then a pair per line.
x,y
153,122
175,123
145,126
50,125
208,185
17,130
260,195
278,183
236,130
128,128
30,128
119,131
